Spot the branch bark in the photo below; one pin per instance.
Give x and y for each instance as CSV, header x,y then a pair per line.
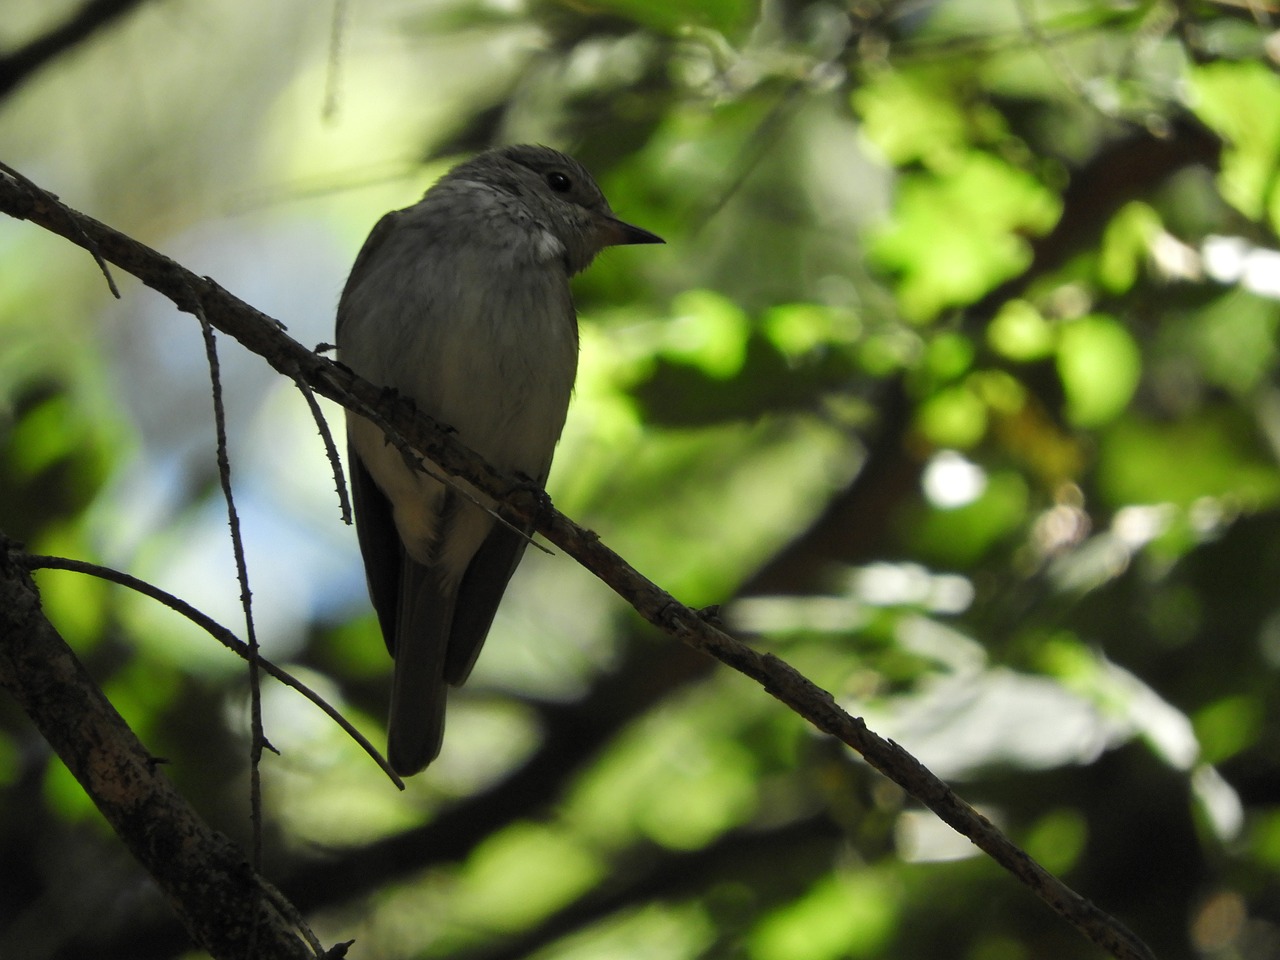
x,y
522,504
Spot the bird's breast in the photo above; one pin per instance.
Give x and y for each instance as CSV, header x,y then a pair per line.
x,y
482,342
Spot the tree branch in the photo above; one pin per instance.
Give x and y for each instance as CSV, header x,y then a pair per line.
x,y
225,906
416,432
17,66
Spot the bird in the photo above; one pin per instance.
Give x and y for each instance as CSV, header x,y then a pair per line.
x,y
461,304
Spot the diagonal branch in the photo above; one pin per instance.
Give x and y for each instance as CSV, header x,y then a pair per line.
x,y
522,503
17,66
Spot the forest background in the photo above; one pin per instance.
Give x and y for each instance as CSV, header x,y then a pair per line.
x,y
955,385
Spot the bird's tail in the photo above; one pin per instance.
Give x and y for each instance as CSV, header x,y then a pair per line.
x,y
416,727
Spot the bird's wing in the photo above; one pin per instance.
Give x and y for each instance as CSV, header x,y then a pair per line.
x,y
377,237
379,545
479,594
414,612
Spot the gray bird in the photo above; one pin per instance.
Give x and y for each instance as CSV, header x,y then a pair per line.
x,y
461,304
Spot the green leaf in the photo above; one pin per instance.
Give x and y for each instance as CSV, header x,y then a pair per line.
x,y
1215,453
955,236
841,916
675,16
799,329
947,357
1227,726
1058,839
1020,332
1234,340
1099,365
1126,244
1264,837
1241,102
919,116
521,874
707,331
954,417
681,777
962,535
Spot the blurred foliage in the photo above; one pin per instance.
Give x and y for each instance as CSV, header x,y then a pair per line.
x,y
956,384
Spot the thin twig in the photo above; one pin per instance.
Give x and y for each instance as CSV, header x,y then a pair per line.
x,y
333,64
258,737
750,154
330,448
87,243
286,909
220,633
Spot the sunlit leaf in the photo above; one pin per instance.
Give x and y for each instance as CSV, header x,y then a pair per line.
x,y
1100,365
1241,101
1264,840
719,490
1213,454
887,352
953,417
1020,332
67,799
522,873
847,915
920,116
1227,726
947,357
673,779
798,329
956,235
77,604
1126,246
707,331
656,931
1057,840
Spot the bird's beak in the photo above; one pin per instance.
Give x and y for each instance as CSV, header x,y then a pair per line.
x,y
616,233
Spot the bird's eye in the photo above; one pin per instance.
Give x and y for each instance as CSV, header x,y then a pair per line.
x,y
559,182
